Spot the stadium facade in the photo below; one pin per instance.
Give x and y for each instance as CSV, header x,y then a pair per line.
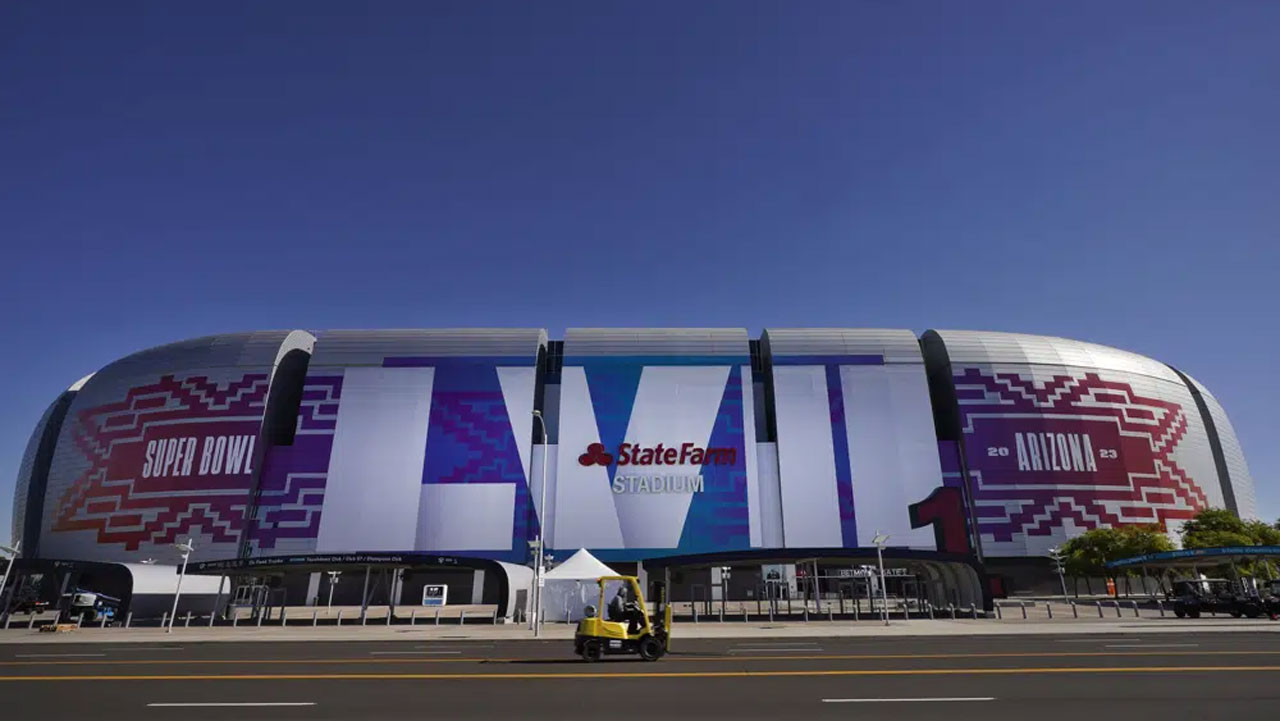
x,y
663,447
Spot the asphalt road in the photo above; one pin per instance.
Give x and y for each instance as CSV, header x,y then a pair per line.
x,y
1173,676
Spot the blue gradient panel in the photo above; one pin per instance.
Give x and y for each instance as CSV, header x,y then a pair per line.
x,y
613,389
718,518
840,446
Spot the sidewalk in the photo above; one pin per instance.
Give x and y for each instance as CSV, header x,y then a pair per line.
x,y
713,629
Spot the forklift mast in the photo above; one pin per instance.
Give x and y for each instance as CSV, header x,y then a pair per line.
x,y
661,616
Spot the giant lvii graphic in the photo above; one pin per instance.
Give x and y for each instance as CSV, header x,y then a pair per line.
x,y
660,443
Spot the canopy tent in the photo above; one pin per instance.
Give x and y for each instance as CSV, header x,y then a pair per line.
x,y
571,586
1193,557
1189,561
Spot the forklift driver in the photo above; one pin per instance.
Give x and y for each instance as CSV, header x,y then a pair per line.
x,y
623,609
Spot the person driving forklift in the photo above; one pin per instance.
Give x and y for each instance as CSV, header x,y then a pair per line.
x,y
623,609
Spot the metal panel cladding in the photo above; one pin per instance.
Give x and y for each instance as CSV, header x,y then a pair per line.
x,y
25,472
1063,436
160,446
1238,476
857,451
407,440
656,450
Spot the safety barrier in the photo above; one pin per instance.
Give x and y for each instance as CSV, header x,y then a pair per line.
x,y
1021,605
1053,609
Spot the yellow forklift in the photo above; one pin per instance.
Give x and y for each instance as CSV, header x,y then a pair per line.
x,y
627,627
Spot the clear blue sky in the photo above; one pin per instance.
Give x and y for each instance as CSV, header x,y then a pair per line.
x,y
1099,170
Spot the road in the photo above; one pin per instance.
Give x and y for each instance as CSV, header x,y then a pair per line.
x,y
1041,678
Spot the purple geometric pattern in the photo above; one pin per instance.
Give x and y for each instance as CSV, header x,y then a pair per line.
x,y
291,488
470,440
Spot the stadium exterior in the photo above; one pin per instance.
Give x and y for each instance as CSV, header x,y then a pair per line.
x,y
287,453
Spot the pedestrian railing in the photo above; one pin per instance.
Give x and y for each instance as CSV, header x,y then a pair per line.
x,y
829,610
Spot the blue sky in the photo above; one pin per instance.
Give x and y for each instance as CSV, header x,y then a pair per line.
x,y
1098,170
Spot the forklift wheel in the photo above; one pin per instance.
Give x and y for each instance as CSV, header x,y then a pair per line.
x,y
650,648
592,651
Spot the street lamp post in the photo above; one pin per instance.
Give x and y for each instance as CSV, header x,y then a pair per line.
x,y
540,557
724,588
1055,553
186,549
880,540
333,581
12,553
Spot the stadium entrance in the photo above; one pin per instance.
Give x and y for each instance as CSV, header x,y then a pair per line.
x,y
387,585
826,582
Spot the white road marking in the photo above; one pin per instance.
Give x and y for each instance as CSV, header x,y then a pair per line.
x,y
1152,645
1093,640
940,699
151,648
57,655
777,649
246,703
469,647
409,653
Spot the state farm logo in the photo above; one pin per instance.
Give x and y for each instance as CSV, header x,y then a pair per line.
x,y
634,454
596,455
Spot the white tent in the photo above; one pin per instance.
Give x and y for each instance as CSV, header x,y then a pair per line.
x,y
571,586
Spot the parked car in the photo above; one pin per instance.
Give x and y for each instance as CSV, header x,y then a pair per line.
x,y
1191,597
27,601
92,607
29,605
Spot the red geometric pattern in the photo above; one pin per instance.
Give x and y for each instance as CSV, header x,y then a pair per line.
x,y
1136,479
111,497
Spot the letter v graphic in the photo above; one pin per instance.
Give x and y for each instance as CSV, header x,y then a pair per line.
x,y
613,389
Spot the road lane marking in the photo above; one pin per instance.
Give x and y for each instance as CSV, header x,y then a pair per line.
x,y
1098,639
1152,645
408,653
259,661
655,674
777,649
668,659
238,703
151,648
939,699
56,655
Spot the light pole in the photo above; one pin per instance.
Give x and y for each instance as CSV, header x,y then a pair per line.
x,y
1055,553
12,553
724,587
333,581
186,549
880,540
542,516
